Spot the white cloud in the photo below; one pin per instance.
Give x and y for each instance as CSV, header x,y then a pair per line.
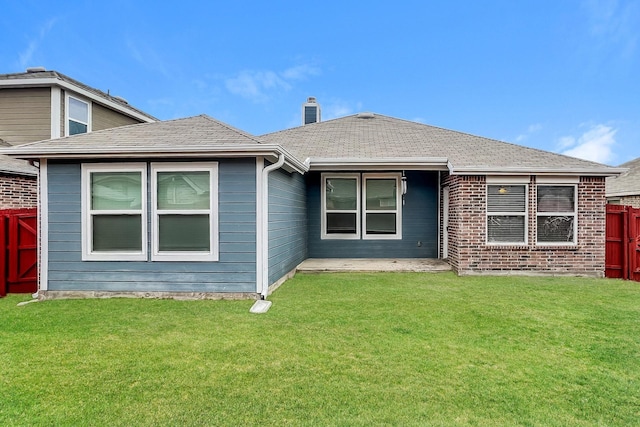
x,y
26,55
300,72
614,23
254,85
148,57
530,130
566,142
596,144
259,86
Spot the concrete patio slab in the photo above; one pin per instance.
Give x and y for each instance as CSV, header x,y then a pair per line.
x,y
373,264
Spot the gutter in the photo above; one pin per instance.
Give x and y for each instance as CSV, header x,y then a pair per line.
x,y
381,163
513,170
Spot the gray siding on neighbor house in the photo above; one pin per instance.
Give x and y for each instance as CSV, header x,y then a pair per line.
x,y
234,272
419,224
287,223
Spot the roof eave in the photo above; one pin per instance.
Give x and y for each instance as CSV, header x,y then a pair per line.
x,y
605,171
15,172
408,163
53,81
623,193
271,152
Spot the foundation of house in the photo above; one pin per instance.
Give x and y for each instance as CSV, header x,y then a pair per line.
x,y
319,265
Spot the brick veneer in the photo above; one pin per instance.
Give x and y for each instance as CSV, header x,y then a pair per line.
x,y
469,253
18,191
629,201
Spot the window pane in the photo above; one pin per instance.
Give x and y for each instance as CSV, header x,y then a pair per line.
x,y
506,198
114,233
505,229
341,223
557,229
381,194
183,233
76,128
556,198
184,190
341,194
116,190
78,110
381,223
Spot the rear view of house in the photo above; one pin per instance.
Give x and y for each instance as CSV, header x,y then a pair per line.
x,y
196,208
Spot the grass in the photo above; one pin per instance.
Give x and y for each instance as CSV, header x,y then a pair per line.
x,y
335,349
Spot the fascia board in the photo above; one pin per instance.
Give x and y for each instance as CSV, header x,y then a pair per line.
x,y
605,171
624,193
251,150
52,81
13,172
417,163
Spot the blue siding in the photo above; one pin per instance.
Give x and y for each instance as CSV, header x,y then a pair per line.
x,y
234,272
419,224
287,223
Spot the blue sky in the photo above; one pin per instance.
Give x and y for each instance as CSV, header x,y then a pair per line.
x,y
562,76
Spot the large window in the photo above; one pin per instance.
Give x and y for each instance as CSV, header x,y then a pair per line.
x,y
184,211
367,206
507,214
78,116
184,203
556,214
114,202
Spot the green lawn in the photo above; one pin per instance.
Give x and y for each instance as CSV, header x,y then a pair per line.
x,y
335,349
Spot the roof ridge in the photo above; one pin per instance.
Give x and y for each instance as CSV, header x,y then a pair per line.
x,y
231,128
65,78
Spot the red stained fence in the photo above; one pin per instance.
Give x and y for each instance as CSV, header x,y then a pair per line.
x,y
18,251
623,243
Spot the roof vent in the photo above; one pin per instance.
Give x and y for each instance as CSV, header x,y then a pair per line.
x,y
365,115
310,111
36,69
121,99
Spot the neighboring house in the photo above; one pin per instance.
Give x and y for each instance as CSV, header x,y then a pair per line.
x,y
40,105
625,189
196,208
18,182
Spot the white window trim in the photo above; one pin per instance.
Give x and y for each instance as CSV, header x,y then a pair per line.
x,y
524,214
324,211
213,253
397,210
574,214
66,113
87,224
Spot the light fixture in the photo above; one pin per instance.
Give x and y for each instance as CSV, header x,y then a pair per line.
x,y
503,190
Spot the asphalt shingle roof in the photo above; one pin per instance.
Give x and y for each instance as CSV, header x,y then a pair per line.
x,y
171,135
370,136
16,166
628,183
50,74
377,136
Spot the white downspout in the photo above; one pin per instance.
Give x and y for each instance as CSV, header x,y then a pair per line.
x,y
265,225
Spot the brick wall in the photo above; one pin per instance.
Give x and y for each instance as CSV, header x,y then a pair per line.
x,y
18,191
470,254
633,201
